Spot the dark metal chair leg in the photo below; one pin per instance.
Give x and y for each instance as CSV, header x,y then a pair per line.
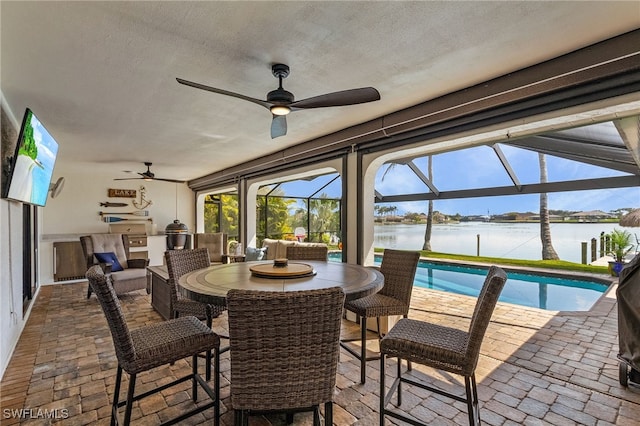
x,y
216,384
207,368
382,389
399,373
328,413
363,349
316,416
467,385
474,392
116,396
129,405
194,382
237,418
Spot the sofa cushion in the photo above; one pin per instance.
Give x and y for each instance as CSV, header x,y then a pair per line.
x,y
311,244
111,258
254,254
277,249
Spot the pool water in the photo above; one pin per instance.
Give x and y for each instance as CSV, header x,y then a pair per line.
x,y
527,289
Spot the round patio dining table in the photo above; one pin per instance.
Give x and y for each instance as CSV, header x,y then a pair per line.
x,y
210,285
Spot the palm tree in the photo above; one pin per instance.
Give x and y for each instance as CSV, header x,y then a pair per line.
x,y
548,252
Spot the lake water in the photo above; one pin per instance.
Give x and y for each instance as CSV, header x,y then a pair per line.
x,y
509,240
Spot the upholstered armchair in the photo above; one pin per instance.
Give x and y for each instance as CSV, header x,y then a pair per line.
x,y
111,252
216,243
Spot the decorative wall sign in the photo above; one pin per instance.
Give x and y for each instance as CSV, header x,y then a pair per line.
x,y
122,193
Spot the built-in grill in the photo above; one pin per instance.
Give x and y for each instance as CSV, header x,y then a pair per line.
x,y
136,233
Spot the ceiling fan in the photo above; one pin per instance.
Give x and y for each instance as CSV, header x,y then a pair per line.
x,y
149,175
281,102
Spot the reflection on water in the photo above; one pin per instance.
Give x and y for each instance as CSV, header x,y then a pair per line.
x,y
510,240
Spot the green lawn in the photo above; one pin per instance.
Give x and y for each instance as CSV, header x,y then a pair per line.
x,y
550,264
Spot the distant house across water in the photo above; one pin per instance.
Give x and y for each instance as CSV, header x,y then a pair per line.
x,y
591,216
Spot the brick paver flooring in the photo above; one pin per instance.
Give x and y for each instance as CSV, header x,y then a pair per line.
x,y
536,367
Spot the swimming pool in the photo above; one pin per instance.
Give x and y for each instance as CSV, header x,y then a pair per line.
x,y
552,293
538,291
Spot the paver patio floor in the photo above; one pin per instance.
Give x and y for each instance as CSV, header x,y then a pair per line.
x,y
536,367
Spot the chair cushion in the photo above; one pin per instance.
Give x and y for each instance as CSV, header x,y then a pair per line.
x,y
128,274
253,254
105,243
111,258
377,305
430,344
168,341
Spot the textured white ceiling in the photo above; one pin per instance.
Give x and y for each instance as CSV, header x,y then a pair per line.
x,y
101,75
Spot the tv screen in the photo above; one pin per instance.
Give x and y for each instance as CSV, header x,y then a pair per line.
x,y
32,163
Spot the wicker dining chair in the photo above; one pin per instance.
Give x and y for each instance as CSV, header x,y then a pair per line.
x,y
285,351
154,345
399,270
320,253
444,348
180,262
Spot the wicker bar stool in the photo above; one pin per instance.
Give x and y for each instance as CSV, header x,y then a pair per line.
x,y
285,351
320,253
180,262
399,270
445,348
154,345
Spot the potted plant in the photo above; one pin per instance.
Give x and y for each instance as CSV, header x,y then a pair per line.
x,y
620,246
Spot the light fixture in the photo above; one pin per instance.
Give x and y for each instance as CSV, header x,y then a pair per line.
x,y
280,110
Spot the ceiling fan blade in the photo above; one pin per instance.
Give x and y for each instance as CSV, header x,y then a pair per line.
x,y
148,179
278,126
342,98
169,180
224,92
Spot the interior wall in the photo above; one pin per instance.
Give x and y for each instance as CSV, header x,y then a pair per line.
x,y
72,213
12,317
75,211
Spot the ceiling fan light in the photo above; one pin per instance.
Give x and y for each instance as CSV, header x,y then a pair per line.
x,y
280,110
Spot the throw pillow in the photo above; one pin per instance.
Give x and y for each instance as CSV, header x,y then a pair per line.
x,y
111,258
255,254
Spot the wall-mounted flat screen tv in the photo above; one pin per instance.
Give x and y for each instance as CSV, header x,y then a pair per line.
x,y
32,163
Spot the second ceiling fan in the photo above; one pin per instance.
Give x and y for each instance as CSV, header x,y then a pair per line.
x,y
149,175
281,102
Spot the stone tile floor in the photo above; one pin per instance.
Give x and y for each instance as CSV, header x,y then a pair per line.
x,y
536,367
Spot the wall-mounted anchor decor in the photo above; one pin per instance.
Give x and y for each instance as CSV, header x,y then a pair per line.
x,y
144,203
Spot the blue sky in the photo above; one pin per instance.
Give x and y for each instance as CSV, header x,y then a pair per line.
x,y
479,168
